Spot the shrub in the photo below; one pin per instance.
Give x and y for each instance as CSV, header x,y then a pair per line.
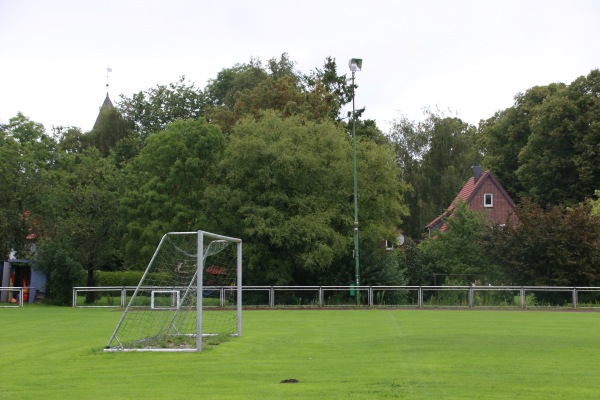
x,y
118,278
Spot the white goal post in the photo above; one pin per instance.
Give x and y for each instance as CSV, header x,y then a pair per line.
x,y
190,290
174,297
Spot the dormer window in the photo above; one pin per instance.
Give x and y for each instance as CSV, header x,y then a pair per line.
x,y
488,200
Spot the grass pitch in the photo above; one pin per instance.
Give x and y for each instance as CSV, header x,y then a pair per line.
x,y
56,353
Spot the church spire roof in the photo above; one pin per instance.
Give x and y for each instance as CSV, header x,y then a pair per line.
x,y
107,102
107,105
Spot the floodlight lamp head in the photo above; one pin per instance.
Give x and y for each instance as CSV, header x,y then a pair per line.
x,y
355,64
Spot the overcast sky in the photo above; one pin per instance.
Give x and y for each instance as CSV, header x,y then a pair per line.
x,y
472,57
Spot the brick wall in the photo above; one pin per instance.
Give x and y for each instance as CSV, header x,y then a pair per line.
x,y
502,209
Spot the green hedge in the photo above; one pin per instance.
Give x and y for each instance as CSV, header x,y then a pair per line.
x,y
126,278
118,278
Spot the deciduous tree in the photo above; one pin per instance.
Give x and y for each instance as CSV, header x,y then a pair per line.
x,y
152,110
25,152
547,145
251,88
436,156
167,183
221,92
595,204
507,132
552,246
79,215
286,186
457,253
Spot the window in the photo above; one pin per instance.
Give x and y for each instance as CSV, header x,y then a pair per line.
x,y
488,200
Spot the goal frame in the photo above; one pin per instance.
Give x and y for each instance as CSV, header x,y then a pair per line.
x,y
199,290
200,285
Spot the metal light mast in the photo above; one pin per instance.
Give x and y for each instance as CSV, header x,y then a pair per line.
x,y
355,64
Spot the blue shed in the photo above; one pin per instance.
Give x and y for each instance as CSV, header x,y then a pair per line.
x,y
22,273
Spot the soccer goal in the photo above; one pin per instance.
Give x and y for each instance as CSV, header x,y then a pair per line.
x,y
191,291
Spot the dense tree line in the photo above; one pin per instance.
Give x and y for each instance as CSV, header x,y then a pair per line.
x,y
545,151
547,146
263,153
549,246
436,156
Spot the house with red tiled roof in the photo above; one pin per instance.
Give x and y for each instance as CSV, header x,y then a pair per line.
x,y
484,194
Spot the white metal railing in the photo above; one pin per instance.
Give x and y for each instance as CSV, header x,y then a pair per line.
x,y
8,298
373,296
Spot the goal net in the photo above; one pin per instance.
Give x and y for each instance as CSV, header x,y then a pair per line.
x,y
190,292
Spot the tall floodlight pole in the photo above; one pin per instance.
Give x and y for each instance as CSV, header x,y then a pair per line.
x,y
355,64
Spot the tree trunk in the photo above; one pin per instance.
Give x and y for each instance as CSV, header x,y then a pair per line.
x,y
91,296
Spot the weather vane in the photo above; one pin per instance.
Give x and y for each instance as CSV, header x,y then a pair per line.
x,y
107,71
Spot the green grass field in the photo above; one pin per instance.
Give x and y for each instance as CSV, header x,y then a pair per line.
x,y
56,353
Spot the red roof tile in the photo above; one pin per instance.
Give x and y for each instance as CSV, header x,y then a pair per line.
x,y
465,195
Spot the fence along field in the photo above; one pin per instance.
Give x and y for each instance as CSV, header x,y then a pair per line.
x,y
369,296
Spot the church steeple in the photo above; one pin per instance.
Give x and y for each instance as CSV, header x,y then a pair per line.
x,y
109,128
107,105
107,102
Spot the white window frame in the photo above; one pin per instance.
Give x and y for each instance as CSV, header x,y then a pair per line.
x,y
489,204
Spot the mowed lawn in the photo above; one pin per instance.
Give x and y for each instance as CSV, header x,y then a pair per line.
x,y
56,353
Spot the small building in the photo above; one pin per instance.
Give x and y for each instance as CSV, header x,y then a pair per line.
x,y
484,194
16,273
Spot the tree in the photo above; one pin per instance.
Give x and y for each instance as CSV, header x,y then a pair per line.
x,y
151,111
546,145
447,164
78,215
560,162
9,181
332,83
284,67
457,252
436,156
70,139
221,92
62,270
280,89
110,128
552,246
251,88
383,268
595,204
586,94
25,152
507,132
167,183
286,185
282,95
415,264
367,129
